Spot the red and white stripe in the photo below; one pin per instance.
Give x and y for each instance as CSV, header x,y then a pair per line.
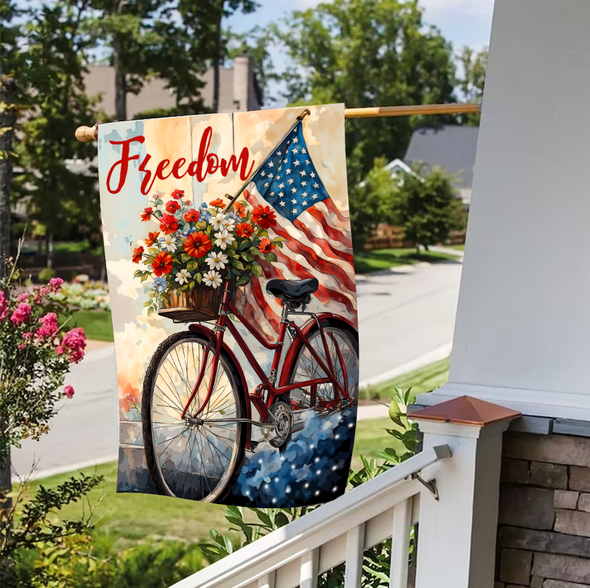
x,y
317,245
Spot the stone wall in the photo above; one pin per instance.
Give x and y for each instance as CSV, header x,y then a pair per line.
x,y
544,518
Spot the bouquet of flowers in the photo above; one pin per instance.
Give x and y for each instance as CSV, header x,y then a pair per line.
x,y
201,247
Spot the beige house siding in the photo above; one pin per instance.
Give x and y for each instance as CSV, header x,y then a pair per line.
x,y
237,90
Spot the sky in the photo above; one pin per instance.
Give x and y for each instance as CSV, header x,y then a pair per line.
x,y
463,22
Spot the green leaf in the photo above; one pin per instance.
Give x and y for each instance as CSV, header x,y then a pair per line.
x,y
263,233
198,277
202,226
243,280
270,257
191,284
138,274
255,251
247,257
150,310
256,269
237,264
145,276
245,244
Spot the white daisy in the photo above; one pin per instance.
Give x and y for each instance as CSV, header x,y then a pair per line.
x,y
212,278
168,243
223,239
183,277
216,221
216,260
228,223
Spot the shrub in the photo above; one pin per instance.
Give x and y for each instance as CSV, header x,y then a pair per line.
x,y
45,275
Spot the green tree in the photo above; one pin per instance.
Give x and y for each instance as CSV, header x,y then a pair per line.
x,y
426,207
471,82
367,53
371,203
204,20
54,48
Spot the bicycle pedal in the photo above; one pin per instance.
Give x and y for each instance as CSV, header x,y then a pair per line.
x,y
253,446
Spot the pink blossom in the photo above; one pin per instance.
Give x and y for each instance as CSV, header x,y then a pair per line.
x,y
68,391
49,326
22,297
3,306
27,335
20,346
73,343
21,314
55,284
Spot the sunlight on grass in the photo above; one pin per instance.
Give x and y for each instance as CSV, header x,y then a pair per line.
x,y
382,259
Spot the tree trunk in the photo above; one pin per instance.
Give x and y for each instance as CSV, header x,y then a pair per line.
x,y
7,121
120,83
217,58
49,241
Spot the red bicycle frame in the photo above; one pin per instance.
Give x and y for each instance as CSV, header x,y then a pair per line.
x,y
262,405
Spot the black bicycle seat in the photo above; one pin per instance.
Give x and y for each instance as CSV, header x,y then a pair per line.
x,y
292,290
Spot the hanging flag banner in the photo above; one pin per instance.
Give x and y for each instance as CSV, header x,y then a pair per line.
x,y
231,276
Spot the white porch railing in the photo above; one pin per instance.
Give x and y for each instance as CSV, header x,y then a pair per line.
x,y
340,531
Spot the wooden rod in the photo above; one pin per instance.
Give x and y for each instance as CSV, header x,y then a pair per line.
x,y
85,134
376,111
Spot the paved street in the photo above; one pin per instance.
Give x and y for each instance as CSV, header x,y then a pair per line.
x,y
406,320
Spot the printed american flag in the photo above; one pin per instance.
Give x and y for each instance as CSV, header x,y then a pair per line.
x,y
317,234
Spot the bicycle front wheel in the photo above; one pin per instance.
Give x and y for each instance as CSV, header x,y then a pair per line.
x,y
195,458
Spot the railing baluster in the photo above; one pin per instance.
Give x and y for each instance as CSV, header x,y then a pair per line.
x,y
355,547
267,581
400,544
309,569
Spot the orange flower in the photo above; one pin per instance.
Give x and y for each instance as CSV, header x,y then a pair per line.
x,y
146,215
177,194
244,230
162,263
191,216
264,216
137,254
266,246
168,224
240,209
152,238
172,206
217,203
197,244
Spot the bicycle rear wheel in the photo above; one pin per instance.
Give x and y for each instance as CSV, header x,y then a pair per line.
x,y
343,349
198,458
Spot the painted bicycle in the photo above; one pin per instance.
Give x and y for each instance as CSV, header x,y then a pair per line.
x,y
196,408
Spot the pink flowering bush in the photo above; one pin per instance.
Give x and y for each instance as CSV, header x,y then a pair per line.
x,y
36,353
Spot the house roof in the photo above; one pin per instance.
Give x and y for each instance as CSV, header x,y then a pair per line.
x,y
451,147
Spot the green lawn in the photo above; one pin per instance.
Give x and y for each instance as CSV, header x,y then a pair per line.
x,y
458,247
382,259
127,518
97,324
421,380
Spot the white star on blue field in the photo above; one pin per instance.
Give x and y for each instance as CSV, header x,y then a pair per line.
x,y
289,180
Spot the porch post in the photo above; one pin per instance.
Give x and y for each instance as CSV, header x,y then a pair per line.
x,y
457,530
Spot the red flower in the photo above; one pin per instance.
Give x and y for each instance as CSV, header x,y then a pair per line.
x,y
177,194
244,230
152,238
172,206
146,215
240,209
162,263
137,254
264,216
197,244
191,216
266,246
168,224
218,203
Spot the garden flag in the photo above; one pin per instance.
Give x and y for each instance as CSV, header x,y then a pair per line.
x,y
230,266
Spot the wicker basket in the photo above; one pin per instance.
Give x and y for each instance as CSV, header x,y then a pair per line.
x,y
202,303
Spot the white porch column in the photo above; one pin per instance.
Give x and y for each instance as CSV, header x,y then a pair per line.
x,y
457,532
522,336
